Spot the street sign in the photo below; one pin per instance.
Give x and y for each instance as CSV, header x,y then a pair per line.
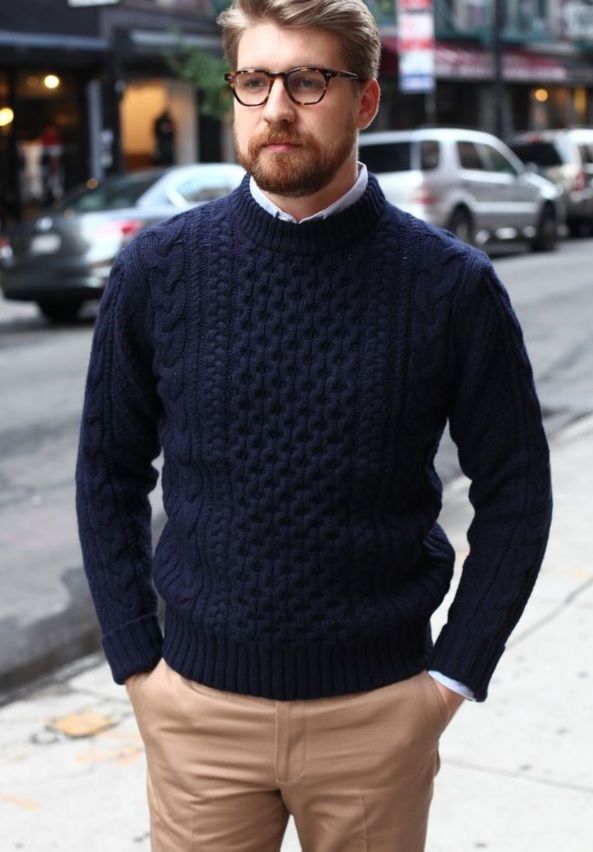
x,y
415,26
415,5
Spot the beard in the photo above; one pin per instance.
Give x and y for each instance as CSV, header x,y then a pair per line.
x,y
303,171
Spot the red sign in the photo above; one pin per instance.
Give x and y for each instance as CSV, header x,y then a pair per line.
x,y
415,5
415,30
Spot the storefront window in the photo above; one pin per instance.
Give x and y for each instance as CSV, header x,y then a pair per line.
x,y
458,16
47,126
383,11
6,132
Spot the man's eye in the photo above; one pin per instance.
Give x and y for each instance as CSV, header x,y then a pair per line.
x,y
309,84
254,83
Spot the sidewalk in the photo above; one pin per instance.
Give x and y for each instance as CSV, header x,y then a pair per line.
x,y
517,772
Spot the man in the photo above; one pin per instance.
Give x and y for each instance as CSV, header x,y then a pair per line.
x,y
164,139
296,350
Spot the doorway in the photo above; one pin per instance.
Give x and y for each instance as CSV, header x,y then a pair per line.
x,y
144,101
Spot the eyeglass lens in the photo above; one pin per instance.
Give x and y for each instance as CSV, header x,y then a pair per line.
x,y
305,86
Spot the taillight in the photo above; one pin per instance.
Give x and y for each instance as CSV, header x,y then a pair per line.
x,y
580,181
121,230
5,248
423,197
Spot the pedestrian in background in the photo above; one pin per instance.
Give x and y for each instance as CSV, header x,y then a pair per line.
x,y
296,349
52,164
164,139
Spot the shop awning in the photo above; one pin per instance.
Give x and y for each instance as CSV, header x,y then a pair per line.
x,y
50,41
463,63
468,62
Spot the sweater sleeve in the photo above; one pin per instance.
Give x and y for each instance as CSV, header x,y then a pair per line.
x,y
496,423
114,474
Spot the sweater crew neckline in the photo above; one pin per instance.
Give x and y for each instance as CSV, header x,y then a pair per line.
x,y
314,237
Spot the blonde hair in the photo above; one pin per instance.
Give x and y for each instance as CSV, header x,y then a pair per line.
x,y
350,20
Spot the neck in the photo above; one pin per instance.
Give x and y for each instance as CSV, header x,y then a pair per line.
x,y
308,205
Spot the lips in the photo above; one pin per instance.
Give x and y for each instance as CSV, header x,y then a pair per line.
x,y
279,147
278,143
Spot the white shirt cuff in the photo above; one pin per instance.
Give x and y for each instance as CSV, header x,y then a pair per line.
x,y
453,685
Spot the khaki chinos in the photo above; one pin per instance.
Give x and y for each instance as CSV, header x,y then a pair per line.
x,y
226,770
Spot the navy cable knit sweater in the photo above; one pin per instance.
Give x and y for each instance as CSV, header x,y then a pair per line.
x,y
298,379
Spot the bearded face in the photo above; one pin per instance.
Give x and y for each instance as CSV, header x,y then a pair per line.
x,y
293,164
297,151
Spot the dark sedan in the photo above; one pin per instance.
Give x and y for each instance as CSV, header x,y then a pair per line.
x,y
62,258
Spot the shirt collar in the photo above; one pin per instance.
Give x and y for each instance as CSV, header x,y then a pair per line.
x,y
354,194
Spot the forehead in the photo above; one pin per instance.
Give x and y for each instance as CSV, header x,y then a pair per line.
x,y
268,46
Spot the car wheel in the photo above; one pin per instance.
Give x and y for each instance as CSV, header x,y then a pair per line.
x,y
546,235
59,311
579,227
461,225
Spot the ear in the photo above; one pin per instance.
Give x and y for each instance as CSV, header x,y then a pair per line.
x,y
369,103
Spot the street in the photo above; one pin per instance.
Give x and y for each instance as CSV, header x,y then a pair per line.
x,y
78,719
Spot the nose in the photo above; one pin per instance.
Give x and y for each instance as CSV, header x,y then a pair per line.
x,y
278,107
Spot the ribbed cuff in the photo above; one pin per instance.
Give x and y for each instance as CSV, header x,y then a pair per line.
x,y
467,658
134,647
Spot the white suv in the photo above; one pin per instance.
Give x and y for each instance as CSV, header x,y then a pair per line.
x,y
466,181
566,158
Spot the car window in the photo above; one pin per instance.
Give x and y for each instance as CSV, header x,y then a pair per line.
x,y
469,156
387,156
496,161
430,152
586,152
540,153
204,188
112,194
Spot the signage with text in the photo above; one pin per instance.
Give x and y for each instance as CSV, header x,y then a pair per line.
x,y
415,26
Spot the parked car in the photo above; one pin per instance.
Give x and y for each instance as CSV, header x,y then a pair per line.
x,y
467,182
566,158
62,258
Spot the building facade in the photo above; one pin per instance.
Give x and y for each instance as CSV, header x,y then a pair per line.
x,y
82,83
546,66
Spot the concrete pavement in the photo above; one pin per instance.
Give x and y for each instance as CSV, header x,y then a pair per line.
x,y
517,772
46,613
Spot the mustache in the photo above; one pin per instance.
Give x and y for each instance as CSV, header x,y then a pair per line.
x,y
276,137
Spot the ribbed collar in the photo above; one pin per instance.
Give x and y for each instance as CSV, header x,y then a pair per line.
x,y
315,237
351,197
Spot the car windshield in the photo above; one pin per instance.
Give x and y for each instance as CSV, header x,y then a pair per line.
x,y
112,194
540,153
387,157
398,156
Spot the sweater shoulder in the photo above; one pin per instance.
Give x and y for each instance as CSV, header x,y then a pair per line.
x,y
441,266
440,247
156,241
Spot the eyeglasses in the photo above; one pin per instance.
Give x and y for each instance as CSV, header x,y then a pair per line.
x,y
304,86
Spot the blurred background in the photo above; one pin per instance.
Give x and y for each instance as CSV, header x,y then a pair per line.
x,y
84,82
113,115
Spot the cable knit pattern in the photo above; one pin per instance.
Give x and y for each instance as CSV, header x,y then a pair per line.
x,y
298,379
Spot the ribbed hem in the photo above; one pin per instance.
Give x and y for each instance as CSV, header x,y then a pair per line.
x,y
135,647
291,672
471,660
